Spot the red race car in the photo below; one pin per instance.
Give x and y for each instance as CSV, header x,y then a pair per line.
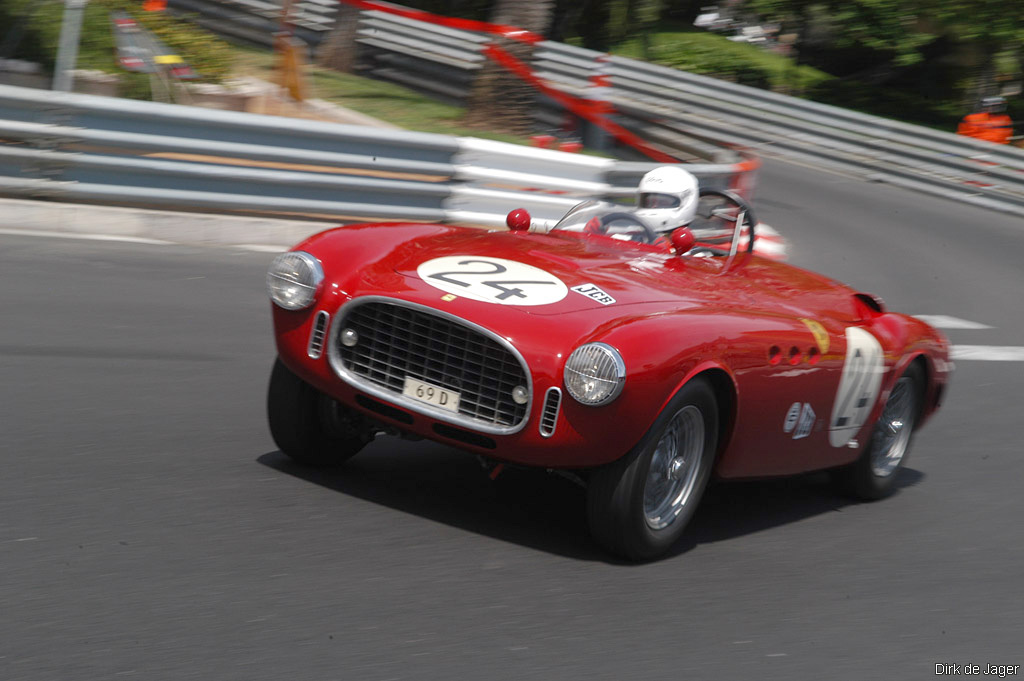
x,y
641,364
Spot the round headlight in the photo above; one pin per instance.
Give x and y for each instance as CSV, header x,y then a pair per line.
x,y
293,279
594,374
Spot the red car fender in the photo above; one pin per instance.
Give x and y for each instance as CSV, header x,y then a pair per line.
x,y
726,412
932,345
656,372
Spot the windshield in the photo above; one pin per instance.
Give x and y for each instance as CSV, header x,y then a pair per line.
x,y
608,219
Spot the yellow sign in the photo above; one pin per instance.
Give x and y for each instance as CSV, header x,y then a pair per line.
x,y
167,59
449,297
819,333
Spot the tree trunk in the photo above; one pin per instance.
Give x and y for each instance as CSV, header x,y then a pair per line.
x,y
499,99
338,50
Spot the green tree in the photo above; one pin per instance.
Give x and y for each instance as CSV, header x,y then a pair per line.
x,y
990,34
634,17
986,35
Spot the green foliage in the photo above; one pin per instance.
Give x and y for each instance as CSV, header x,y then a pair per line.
x,y
985,35
882,26
208,55
708,60
387,101
716,56
890,102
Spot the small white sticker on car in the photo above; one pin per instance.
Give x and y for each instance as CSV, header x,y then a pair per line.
x,y
791,417
492,280
592,291
806,422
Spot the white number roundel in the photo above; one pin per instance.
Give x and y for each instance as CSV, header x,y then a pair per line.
x,y
492,280
858,386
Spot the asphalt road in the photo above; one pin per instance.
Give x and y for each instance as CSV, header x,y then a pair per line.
x,y
149,529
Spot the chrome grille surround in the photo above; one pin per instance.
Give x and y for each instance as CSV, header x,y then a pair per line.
x,y
398,338
317,336
549,415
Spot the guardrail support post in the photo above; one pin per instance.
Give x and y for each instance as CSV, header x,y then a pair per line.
x,y
594,136
67,51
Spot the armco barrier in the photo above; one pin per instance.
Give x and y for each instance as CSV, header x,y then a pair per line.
x,y
440,60
256,21
823,135
660,101
76,147
680,108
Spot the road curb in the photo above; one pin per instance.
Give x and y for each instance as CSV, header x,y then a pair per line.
x,y
158,225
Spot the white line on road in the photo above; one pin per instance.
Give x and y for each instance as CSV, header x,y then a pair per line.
x,y
262,248
83,237
991,353
941,321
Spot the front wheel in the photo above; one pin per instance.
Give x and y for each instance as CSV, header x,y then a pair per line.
x,y
310,427
873,475
640,505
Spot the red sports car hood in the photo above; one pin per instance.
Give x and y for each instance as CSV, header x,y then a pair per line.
x,y
538,274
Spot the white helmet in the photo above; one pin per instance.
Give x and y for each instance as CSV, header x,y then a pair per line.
x,y
667,198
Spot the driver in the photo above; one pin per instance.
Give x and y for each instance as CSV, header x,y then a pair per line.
x,y
667,198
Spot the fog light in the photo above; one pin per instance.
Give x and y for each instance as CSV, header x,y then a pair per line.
x,y
349,337
520,395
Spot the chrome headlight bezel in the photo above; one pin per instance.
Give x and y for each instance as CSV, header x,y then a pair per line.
x,y
293,280
598,364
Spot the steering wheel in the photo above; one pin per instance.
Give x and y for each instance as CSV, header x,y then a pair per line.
x,y
735,209
605,222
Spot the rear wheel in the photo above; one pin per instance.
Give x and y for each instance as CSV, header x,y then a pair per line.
x,y
640,505
874,474
311,427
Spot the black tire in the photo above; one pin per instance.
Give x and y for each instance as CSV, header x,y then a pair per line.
x,y
637,516
874,474
310,427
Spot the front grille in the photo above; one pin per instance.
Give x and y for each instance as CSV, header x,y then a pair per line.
x,y
397,340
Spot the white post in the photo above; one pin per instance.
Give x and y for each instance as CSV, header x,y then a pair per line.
x,y
67,51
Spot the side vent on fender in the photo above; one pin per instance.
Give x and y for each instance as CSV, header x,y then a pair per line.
x,y
549,417
316,339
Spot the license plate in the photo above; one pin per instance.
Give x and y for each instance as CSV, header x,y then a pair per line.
x,y
431,394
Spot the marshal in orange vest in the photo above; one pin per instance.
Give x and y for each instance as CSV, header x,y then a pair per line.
x,y
989,124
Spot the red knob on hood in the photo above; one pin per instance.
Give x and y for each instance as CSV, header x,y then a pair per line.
x,y
518,220
682,240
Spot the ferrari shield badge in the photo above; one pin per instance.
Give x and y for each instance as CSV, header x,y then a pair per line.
x,y
819,333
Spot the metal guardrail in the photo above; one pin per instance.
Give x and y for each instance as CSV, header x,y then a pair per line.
x,y
86,148
680,109
877,148
435,59
662,104
256,21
